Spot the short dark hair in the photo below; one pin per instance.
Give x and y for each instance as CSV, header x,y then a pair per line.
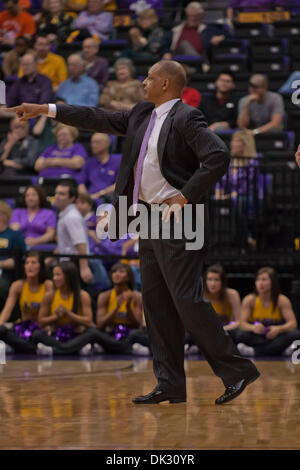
x,y
73,192
227,72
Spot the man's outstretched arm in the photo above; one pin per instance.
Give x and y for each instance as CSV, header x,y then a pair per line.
x,y
83,117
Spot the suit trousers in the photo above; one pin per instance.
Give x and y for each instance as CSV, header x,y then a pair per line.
x,y
172,287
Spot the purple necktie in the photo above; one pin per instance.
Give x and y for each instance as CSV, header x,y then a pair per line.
x,y
142,155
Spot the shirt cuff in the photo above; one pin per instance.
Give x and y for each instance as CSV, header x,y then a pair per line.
x,y
51,110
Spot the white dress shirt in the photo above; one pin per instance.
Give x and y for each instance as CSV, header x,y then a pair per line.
x,y
154,188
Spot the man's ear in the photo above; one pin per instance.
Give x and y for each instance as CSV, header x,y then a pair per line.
x,y
166,84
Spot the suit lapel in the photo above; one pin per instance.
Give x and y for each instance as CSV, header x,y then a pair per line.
x,y
164,132
138,138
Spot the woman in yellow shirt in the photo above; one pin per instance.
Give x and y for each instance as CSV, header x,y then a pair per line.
x,y
225,301
65,313
30,292
268,325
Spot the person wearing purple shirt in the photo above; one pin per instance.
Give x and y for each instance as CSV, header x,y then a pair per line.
x,y
99,174
33,87
98,22
36,222
95,67
66,157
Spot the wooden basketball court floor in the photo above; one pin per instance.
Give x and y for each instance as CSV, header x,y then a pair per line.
x,y
86,404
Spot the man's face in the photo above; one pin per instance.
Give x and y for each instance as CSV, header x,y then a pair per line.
x,y
99,143
153,84
20,129
29,65
89,49
224,83
256,87
62,197
21,46
42,47
75,67
193,17
94,6
11,6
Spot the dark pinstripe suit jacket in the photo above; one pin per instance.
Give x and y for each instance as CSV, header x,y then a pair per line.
x,y
191,157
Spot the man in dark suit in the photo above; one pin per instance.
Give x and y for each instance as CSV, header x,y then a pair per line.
x,y
170,157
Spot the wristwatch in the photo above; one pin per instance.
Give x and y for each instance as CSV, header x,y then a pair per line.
x,y
256,131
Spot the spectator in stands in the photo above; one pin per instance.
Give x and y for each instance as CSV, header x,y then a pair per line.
x,y
297,156
190,95
43,130
15,23
119,310
226,302
33,87
34,218
97,21
147,38
192,37
125,92
11,60
65,158
261,110
220,106
99,174
268,326
86,206
10,240
29,292
95,67
54,22
67,311
52,65
18,151
72,235
78,89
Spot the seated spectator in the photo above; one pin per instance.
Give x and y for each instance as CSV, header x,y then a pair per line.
x,y
72,236
261,110
97,21
9,240
193,37
29,292
43,129
99,174
147,38
190,95
78,89
125,92
237,6
18,152
67,311
86,206
33,87
11,60
119,309
268,326
225,301
220,107
65,158
15,23
54,22
95,67
49,64
35,220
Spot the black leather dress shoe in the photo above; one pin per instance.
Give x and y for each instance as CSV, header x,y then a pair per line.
x,y
157,396
233,391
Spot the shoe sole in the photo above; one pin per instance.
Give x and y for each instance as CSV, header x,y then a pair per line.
x,y
250,381
170,400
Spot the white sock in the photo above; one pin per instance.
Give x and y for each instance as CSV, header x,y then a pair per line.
x,y
193,349
86,350
98,349
140,350
43,350
246,350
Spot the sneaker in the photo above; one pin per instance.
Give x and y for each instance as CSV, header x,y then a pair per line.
x,y
98,349
140,350
193,349
290,349
245,350
87,350
43,350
